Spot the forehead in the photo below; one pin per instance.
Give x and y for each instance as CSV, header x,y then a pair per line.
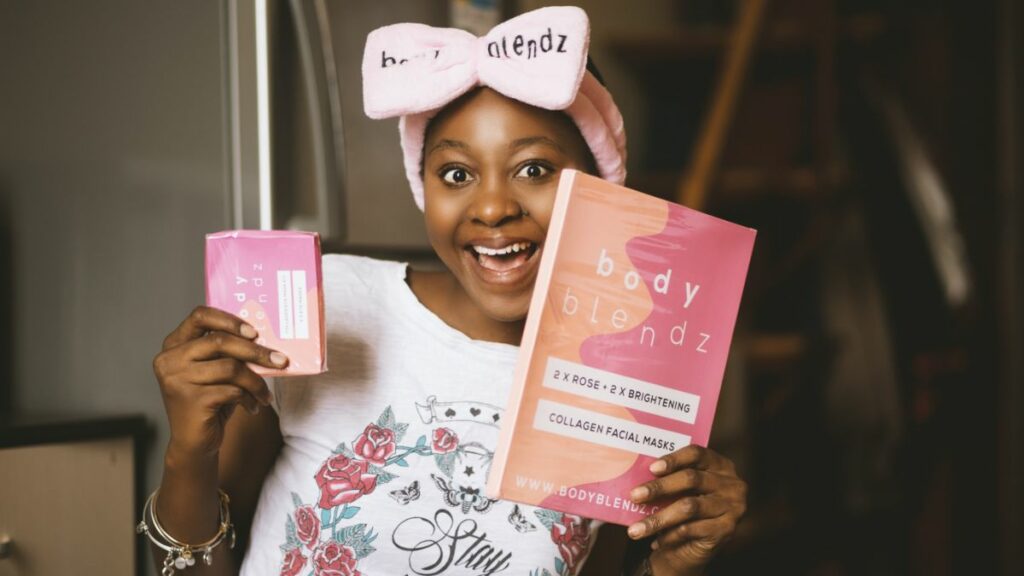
x,y
484,117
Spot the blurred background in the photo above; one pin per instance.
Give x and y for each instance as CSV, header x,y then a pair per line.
x,y
873,399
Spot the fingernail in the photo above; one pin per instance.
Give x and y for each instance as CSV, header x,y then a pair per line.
x,y
248,331
636,530
639,493
658,466
254,409
278,358
655,545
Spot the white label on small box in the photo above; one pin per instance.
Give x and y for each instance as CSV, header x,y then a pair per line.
x,y
605,430
285,315
299,303
621,390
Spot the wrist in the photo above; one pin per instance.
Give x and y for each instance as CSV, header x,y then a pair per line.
x,y
195,472
182,457
186,503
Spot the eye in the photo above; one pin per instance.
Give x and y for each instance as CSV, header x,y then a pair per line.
x,y
533,171
455,175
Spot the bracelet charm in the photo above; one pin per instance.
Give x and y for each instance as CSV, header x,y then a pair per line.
x,y
180,555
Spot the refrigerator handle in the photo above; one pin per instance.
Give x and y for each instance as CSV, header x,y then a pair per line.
x,y
316,52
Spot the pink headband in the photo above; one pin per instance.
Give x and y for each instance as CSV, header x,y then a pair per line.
x,y
539,58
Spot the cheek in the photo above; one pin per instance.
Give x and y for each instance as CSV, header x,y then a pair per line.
x,y
540,208
441,217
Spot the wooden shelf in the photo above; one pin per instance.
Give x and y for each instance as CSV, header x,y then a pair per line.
x,y
774,352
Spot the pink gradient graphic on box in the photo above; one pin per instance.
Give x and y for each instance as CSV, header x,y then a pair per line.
x,y
624,350
272,280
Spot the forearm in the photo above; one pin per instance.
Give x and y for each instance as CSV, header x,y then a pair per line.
x,y
188,508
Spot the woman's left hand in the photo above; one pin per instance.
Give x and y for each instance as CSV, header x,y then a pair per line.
x,y
707,500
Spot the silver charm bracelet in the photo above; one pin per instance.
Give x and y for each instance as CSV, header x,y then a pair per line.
x,y
180,555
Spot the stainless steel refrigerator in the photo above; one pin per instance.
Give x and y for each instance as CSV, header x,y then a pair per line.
x,y
303,155
130,129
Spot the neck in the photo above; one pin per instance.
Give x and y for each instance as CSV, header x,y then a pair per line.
x,y
442,294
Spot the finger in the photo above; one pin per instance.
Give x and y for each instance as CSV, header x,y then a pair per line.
x,y
676,483
232,372
220,344
711,530
204,319
682,510
225,396
692,456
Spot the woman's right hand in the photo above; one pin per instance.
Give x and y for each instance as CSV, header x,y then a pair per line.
x,y
203,375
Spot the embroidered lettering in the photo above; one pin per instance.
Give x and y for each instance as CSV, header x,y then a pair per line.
x,y
529,48
386,60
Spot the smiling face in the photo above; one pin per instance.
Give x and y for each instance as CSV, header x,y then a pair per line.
x,y
490,173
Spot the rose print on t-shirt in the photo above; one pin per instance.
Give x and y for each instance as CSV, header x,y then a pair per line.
x,y
307,526
375,444
343,480
445,441
323,534
348,474
334,559
571,533
293,562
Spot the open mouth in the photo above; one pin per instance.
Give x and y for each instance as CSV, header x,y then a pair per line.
x,y
504,259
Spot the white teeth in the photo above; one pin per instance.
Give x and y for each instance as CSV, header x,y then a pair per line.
x,y
517,247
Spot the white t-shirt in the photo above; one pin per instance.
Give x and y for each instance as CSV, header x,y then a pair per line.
x,y
386,455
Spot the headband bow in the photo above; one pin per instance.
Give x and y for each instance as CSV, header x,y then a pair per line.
x,y
539,58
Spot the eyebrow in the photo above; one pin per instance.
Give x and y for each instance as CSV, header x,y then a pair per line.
x,y
520,143
531,140
446,144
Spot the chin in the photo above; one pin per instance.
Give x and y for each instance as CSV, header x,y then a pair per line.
x,y
504,309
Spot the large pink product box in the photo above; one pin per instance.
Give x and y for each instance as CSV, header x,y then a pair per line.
x,y
272,280
624,349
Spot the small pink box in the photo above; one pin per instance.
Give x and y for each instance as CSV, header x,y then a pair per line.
x,y
272,280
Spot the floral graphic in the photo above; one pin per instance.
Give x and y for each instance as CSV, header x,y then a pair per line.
x,y
293,562
347,475
375,444
343,480
323,539
571,534
307,526
334,559
445,441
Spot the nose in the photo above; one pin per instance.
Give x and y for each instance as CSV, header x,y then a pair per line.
x,y
493,204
